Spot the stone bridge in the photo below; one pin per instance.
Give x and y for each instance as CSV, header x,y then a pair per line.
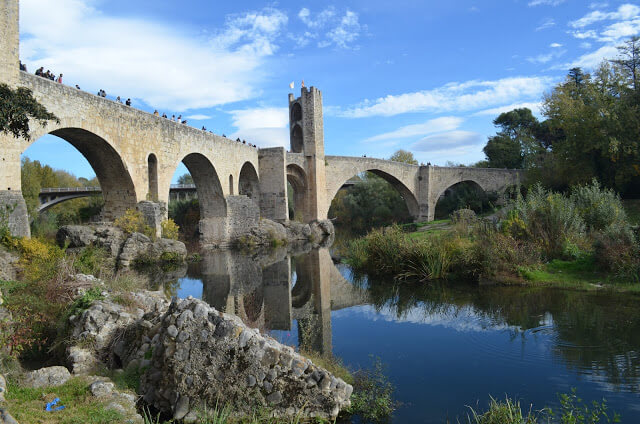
x,y
135,154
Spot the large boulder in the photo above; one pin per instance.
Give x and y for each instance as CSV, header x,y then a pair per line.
x,y
125,248
47,377
95,331
193,356
201,355
106,236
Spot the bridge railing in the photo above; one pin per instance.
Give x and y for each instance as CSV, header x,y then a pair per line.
x,y
80,189
68,189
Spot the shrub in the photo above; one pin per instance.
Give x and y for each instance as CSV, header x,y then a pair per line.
x,y
503,412
133,222
170,229
617,251
466,216
599,207
93,260
372,397
551,219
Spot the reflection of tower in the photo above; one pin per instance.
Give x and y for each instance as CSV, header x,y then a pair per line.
x,y
307,137
314,276
277,295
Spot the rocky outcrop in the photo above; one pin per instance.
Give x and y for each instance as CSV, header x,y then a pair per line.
x,y
195,357
125,248
7,265
97,329
271,233
124,403
202,356
47,377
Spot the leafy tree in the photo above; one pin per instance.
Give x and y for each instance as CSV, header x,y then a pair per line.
x,y
185,179
403,156
630,60
17,107
519,141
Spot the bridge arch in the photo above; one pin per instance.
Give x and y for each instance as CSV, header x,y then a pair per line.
x,y
248,183
208,186
118,190
296,178
404,191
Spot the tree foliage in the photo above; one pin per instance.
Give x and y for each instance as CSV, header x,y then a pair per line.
x,y
590,131
185,179
17,108
35,177
403,156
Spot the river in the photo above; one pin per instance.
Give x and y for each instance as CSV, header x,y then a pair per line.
x,y
444,346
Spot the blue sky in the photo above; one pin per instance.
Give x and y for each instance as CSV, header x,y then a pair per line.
x,y
426,76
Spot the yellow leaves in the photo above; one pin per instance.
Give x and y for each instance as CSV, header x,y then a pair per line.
x,y
170,229
133,222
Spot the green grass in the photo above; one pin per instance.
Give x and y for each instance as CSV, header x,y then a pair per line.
x,y
580,274
27,405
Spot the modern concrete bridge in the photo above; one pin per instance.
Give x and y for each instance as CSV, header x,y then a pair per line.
x,y
135,154
51,196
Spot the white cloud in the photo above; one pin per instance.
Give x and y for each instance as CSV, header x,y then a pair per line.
x,y
457,139
598,5
329,28
593,59
198,117
347,32
162,65
265,127
320,20
547,23
546,2
469,95
555,45
624,12
436,125
544,58
533,106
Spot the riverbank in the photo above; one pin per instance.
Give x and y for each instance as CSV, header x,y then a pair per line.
x,y
583,241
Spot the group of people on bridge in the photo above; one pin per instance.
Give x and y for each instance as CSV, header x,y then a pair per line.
x,y
101,93
41,73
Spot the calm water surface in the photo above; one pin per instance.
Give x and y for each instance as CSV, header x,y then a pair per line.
x,y
444,346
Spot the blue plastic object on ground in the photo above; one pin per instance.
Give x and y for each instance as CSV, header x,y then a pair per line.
x,y
50,405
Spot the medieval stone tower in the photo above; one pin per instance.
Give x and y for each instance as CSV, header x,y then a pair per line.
x,y
9,41
306,131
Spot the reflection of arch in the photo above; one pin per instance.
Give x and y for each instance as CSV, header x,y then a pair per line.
x,y
297,178
252,304
296,112
152,163
248,184
303,288
405,193
296,139
117,186
205,178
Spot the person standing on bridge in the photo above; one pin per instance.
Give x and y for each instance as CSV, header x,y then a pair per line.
x,y
59,80
128,102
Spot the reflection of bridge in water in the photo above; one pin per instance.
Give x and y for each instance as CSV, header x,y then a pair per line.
x,y
269,292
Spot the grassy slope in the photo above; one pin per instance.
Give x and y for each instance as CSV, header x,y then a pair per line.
x,y
28,405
